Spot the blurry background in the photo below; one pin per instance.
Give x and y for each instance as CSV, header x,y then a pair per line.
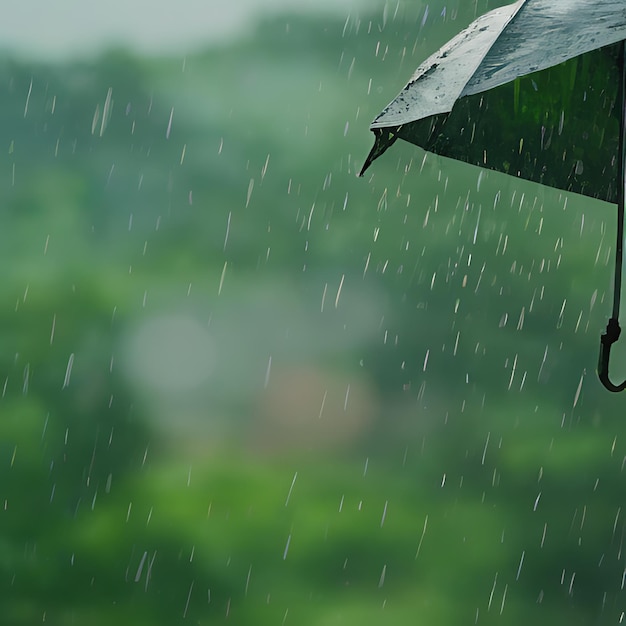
x,y
241,385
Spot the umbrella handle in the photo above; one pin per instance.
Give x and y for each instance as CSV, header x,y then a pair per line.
x,y
612,334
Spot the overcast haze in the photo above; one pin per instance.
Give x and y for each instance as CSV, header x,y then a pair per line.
x,y
65,27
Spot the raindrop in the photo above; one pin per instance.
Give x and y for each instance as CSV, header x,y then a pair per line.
x,y
248,581
579,389
381,581
264,168
493,589
513,371
503,598
68,371
169,124
571,584
520,322
382,521
293,482
308,224
106,111
521,562
345,26
227,230
482,462
189,598
140,568
219,289
319,416
339,290
560,320
419,545
249,194
30,90
286,547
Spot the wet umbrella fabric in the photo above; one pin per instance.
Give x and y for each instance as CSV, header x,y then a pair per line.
x,y
536,90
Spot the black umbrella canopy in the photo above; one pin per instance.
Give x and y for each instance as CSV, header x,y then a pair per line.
x,y
529,89
534,89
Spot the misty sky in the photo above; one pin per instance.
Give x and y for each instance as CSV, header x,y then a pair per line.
x,y
63,27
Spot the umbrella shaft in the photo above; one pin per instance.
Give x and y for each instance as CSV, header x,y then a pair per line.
x,y
621,165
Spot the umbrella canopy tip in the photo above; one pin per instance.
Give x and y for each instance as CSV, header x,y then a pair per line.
x,y
383,139
366,165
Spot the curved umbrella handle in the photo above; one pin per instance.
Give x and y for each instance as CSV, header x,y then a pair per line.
x,y
612,334
612,328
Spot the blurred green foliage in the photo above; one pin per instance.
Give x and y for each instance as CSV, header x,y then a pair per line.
x,y
241,385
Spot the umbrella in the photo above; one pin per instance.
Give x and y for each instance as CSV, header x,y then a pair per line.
x,y
534,89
